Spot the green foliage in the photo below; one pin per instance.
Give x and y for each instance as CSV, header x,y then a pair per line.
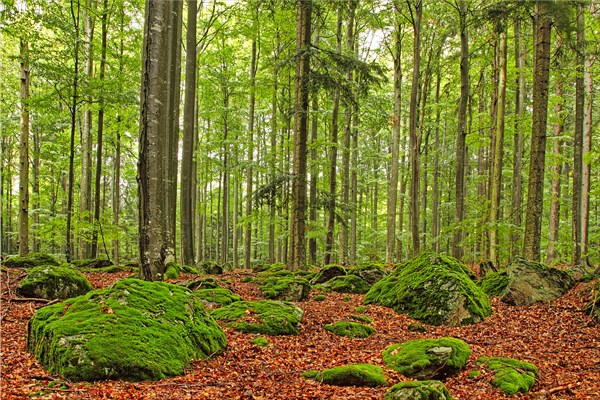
x,y
432,288
511,376
53,282
266,317
218,296
495,283
132,330
428,358
350,329
32,260
418,390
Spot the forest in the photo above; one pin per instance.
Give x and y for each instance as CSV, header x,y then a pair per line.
x,y
314,162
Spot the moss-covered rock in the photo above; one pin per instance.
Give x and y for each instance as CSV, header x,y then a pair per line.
x,y
266,317
171,271
286,288
202,283
350,329
434,289
495,283
371,273
210,268
425,359
347,284
350,375
511,376
412,327
268,267
260,341
30,261
319,297
92,263
419,390
53,282
328,272
361,318
532,282
132,330
593,309
217,297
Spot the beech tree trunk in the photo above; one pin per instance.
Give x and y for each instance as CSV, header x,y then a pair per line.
x,y
248,234
24,152
587,148
578,138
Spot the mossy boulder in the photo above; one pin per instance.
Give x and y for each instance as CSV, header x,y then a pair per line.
x,y
347,284
434,289
268,317
350,375
53,282
210,268
511,376
593,309
260,341
202,283
286,288
371,273
425,359
495,283
350,329
268,267
328,272
133,330
217,297
92,263
532,282
30,261
172,271
419,390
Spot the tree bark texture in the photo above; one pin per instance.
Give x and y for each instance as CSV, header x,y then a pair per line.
x,y
578,137
24,152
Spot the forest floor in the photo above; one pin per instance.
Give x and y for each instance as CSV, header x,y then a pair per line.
x,y
558,337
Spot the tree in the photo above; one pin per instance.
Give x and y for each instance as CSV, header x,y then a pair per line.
x,y
541,72
576,224
24,153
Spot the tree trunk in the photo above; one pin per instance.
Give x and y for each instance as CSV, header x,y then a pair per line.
x,y
435,212
248,234
36,245
496,187
578,137
587,148
533,220
297,259
116,203
461,150
24,153
188,146
312,242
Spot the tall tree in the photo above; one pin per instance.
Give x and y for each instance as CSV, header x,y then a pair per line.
x,y
249,169
537,159
578,136
24,152
297,259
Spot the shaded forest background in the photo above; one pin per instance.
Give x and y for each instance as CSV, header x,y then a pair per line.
x,y
423,129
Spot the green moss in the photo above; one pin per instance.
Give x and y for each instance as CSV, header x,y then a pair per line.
x,y
434,289
593,309
327,273
54,282
371,273
354,375
202,283
286,287
187,269
361,309
417,328
311,374
512,376
31,260
319,297
132,330
248,279
418,390
260,341
218,296
474,374
428,358
276,273
172,271
264,317
211,267
350,329
495,283
347,284
91,263
362,318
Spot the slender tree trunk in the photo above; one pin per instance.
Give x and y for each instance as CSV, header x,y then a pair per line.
x,y
312,242
24,153
403,179
354,190
116,203
248,235
435,212
578,137
36,245
225,182
587,148
556,177
331,204
73,110
533,220
461,150
297,259
496,188
272,166
188,146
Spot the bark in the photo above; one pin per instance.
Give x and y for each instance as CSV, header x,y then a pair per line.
x,y
116,202
312,242
403,178
272,164
435,212
587,148
189,131
459,215
36,245
578,138
297,259
496,187
248,234
24,152
354,190
533,219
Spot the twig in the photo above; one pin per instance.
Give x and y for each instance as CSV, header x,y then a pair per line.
x,y
560,388
34,299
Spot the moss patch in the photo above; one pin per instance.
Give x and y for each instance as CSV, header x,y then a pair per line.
x,y
347,284
425,359
266,317
220,296
198,284
434,289
495,283
210,268
417,328
350,329
593,309
371,273
350,375
512,376
328,272
132,330
54,282
287,288
30,261
260,341
319,297
172,271
420,390
361,318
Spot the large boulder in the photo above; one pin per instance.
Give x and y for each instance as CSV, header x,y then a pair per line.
x,y
425,359
328,272
132,330
218,297
286,288
266,317
371,273
53,282
347,284
418,390
532,282
30,261
434,289
495,283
